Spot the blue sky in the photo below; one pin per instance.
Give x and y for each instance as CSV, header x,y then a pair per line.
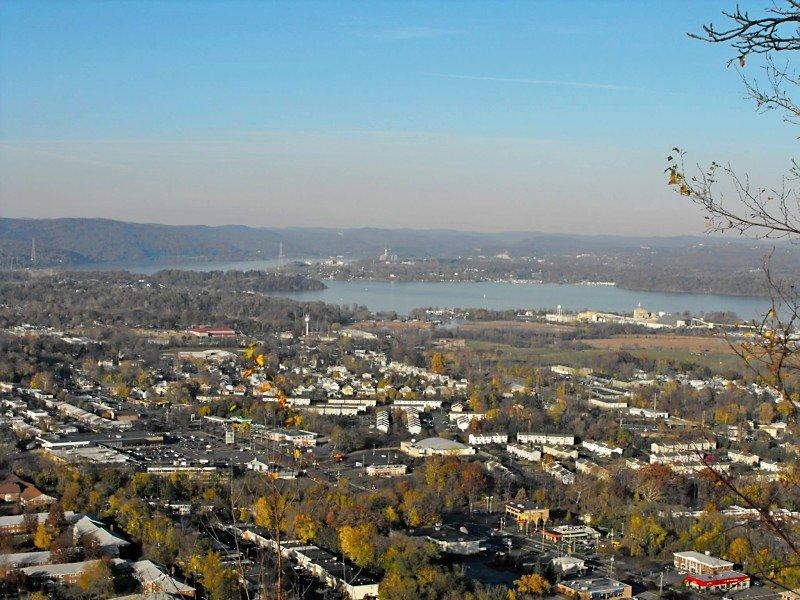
x,y
529,115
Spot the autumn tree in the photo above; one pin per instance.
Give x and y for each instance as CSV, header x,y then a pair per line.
x,y
96,581
437,363
217,580
305,528
43,537
533,585
357,544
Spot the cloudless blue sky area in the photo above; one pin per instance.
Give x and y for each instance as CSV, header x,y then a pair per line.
x,y
474,115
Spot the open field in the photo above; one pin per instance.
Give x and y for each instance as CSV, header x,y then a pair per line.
x,y
533,326
717,356
687,343
382,324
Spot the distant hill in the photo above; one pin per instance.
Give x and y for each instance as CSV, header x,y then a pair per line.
x,y
71,242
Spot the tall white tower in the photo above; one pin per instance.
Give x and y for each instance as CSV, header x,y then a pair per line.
x,y
307,319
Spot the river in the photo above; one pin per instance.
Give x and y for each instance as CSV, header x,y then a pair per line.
x,y
402,297
405,296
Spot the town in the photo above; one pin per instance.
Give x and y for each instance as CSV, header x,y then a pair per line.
x,y
371,457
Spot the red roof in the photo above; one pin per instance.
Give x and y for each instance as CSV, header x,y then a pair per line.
x,y
8,487
31,492
724,578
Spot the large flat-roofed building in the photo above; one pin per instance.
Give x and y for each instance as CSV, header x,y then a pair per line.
x,y
436,446
600,588
525,512
297,437
451,540
699,563
570,532
386,470
718,582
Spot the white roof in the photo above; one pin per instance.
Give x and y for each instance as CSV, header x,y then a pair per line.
x,y
149,572
437,443
12,520
86,526
711,561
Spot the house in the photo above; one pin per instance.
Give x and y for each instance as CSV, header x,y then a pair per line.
x,y
33,497
553,439
525,512
592,469
16,524
744,458
19,560
600,588
66,573
109,544
697,563
11,488
695,447
601,449
482,439
561,473
155,580
560,454
524,452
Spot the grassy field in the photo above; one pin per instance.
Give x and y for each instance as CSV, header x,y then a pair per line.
x,y
530,326
716,356
683,343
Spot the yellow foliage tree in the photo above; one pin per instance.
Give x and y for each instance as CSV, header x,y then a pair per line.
x,y
305,527
43,537
532,585
437,363
356,543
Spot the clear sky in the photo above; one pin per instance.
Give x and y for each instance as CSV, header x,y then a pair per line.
x,y
551,116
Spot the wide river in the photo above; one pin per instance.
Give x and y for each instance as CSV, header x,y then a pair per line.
x,y
403,297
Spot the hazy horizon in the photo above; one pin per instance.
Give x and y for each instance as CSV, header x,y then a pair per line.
x,y
480,117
